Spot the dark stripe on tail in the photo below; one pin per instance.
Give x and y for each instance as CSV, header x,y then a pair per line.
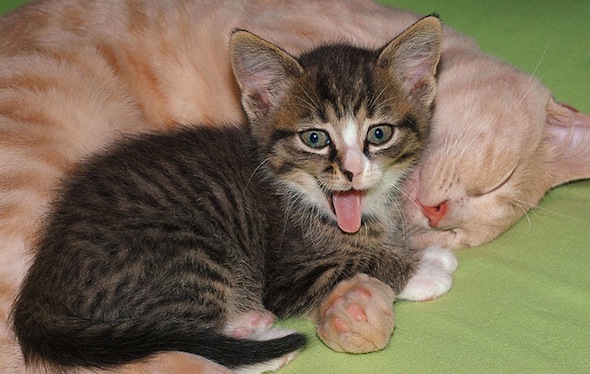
x,y
76,342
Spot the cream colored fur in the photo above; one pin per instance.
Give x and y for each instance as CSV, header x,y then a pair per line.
x,y
77,73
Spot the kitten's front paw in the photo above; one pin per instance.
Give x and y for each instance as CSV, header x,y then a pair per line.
x,y
433,277
357,316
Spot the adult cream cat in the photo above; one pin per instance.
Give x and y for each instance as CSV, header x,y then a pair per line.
x,y
75,74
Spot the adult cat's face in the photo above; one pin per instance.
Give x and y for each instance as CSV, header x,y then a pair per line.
x,y
509,143
340,126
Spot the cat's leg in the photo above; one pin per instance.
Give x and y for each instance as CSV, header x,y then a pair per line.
x,y
433,276
249,324
257,325
357,316
272,365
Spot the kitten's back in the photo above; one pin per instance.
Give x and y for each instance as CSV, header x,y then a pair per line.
x,y
151,238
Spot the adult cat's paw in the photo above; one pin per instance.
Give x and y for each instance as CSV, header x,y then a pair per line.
x,y
357,316
433,277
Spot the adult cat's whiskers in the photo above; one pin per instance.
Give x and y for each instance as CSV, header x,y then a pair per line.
x,y
463,142
521,205
528,206
531,81
525,207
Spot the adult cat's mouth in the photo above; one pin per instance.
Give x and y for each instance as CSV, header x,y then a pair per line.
x,y
348,207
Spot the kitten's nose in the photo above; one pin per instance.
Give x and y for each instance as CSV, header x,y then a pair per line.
x,y
353,163
348,174
435,213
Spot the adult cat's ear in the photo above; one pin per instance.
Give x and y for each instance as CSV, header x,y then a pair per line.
x,y
412,58
567,138
263,71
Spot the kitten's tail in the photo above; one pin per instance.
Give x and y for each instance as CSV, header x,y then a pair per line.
x,y
74,342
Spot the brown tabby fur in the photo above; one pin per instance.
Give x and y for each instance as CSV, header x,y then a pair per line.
x,y
76,73
185,240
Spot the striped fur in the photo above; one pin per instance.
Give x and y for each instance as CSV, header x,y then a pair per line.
x,y
164,240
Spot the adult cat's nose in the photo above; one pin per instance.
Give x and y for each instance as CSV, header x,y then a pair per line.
x,y
435,213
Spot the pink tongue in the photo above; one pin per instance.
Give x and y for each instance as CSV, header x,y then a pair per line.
x,y
348,206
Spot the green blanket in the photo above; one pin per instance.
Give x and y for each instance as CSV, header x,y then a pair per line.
x,y
522,302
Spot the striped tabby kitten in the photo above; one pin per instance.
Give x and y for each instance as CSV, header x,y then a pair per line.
x,y
192,240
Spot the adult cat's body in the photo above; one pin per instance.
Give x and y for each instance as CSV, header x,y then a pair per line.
x,y
76,74
182,240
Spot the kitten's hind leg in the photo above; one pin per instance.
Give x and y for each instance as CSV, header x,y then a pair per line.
x,y
272,365
357,316
257,325
249,324
433,277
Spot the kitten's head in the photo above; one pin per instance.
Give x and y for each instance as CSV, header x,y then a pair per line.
x,y
499,143
340,126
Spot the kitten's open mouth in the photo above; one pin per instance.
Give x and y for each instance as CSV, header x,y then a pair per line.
x,y
348,207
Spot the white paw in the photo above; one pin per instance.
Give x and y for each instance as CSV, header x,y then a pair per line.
x,y
433,277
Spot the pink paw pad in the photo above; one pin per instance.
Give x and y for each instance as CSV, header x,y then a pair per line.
x,y
357,312
339,325
357,316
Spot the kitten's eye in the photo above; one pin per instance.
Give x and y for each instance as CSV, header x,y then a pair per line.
x,y
379,134
315,138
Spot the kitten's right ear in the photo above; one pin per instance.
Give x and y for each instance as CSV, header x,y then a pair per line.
x,y
263,71
412,58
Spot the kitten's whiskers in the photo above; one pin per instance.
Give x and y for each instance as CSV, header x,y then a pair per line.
x,y
374,99
254,173
311,103
392,188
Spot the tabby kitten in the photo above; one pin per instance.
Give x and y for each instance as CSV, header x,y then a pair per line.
x,y
188,240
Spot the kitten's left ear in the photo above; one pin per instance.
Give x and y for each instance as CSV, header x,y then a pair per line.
x,y
412,58
263,71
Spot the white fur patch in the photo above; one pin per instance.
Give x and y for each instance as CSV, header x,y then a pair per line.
x,y
350,134
433,277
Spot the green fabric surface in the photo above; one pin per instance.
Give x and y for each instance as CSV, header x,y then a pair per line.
x,y
520,304
7,5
